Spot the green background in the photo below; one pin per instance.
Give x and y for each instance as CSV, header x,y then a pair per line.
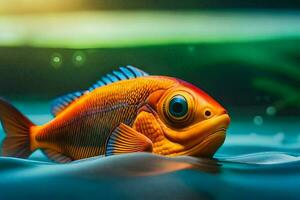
x,y
248,59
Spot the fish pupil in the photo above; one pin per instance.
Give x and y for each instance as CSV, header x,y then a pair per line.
x,y
178,106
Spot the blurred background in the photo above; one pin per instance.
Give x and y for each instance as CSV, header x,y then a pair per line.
x,y
244,54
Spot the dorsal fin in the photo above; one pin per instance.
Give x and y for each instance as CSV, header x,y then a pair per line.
x,y
124,73
61,103
129,72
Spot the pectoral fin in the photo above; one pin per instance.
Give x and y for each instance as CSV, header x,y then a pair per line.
x,y
125,139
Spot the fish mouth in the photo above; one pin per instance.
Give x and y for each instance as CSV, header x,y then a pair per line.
x,y
208,142
208,146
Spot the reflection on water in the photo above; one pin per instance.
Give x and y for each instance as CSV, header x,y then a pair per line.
x,y
256,162
133,176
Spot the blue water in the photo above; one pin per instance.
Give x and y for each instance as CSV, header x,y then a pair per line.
x,y
256,162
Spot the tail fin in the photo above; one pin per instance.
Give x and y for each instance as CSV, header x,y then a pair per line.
x,y
17,129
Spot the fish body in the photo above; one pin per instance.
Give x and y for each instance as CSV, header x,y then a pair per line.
x,y
126,112
83,128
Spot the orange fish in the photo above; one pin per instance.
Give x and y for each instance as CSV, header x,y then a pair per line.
x,y
126,111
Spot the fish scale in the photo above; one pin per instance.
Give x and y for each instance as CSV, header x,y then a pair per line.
x,y
88,123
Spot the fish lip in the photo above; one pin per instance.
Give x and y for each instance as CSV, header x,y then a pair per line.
x,y
199,150
210,141
218,138
221,129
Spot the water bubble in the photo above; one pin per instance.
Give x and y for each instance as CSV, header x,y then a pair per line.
x,y
56,60
271,110
79,58
258,120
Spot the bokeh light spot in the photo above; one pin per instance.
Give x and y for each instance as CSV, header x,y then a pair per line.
x,y
258,120
79,58
56,60
271,110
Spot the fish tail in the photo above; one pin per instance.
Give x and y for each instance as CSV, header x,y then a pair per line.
x,y
17,129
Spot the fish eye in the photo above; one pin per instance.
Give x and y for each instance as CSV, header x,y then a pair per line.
x,y
178,107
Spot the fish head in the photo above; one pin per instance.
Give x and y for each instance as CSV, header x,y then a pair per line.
x,y
183,120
